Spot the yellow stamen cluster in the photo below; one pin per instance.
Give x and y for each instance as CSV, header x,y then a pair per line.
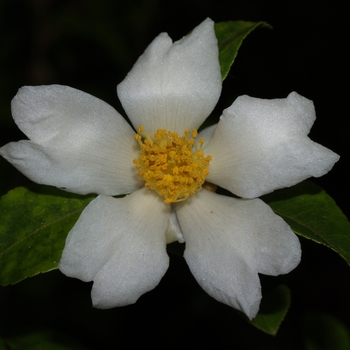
x,y
173,166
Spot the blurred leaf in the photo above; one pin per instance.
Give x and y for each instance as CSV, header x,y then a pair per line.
x,y
34,224
313,214
42,341
324,332
273,309
2,344
230,36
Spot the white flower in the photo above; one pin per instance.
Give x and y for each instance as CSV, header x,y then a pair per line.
x,y
79,143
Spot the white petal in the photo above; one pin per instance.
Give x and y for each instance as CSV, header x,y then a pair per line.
x,y
174,232
78,142
262,145
120,245
207,134
229,241
174,86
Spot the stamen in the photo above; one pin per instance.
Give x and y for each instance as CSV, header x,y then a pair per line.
x,y
173,166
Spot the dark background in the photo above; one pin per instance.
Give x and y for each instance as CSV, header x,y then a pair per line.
x,y
91,45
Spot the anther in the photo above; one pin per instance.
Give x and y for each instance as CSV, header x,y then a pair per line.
x,y
175,167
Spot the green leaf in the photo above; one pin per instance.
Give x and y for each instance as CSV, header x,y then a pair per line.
x,y
313,214
2,345
273,309
230,36
324,332
41,340
34,224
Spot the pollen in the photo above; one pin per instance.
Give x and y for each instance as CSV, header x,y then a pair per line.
x,y
175,167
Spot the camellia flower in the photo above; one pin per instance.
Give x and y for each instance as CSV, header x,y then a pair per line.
x,y
80,144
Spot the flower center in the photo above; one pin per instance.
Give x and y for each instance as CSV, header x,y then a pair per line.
x,y
173,166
